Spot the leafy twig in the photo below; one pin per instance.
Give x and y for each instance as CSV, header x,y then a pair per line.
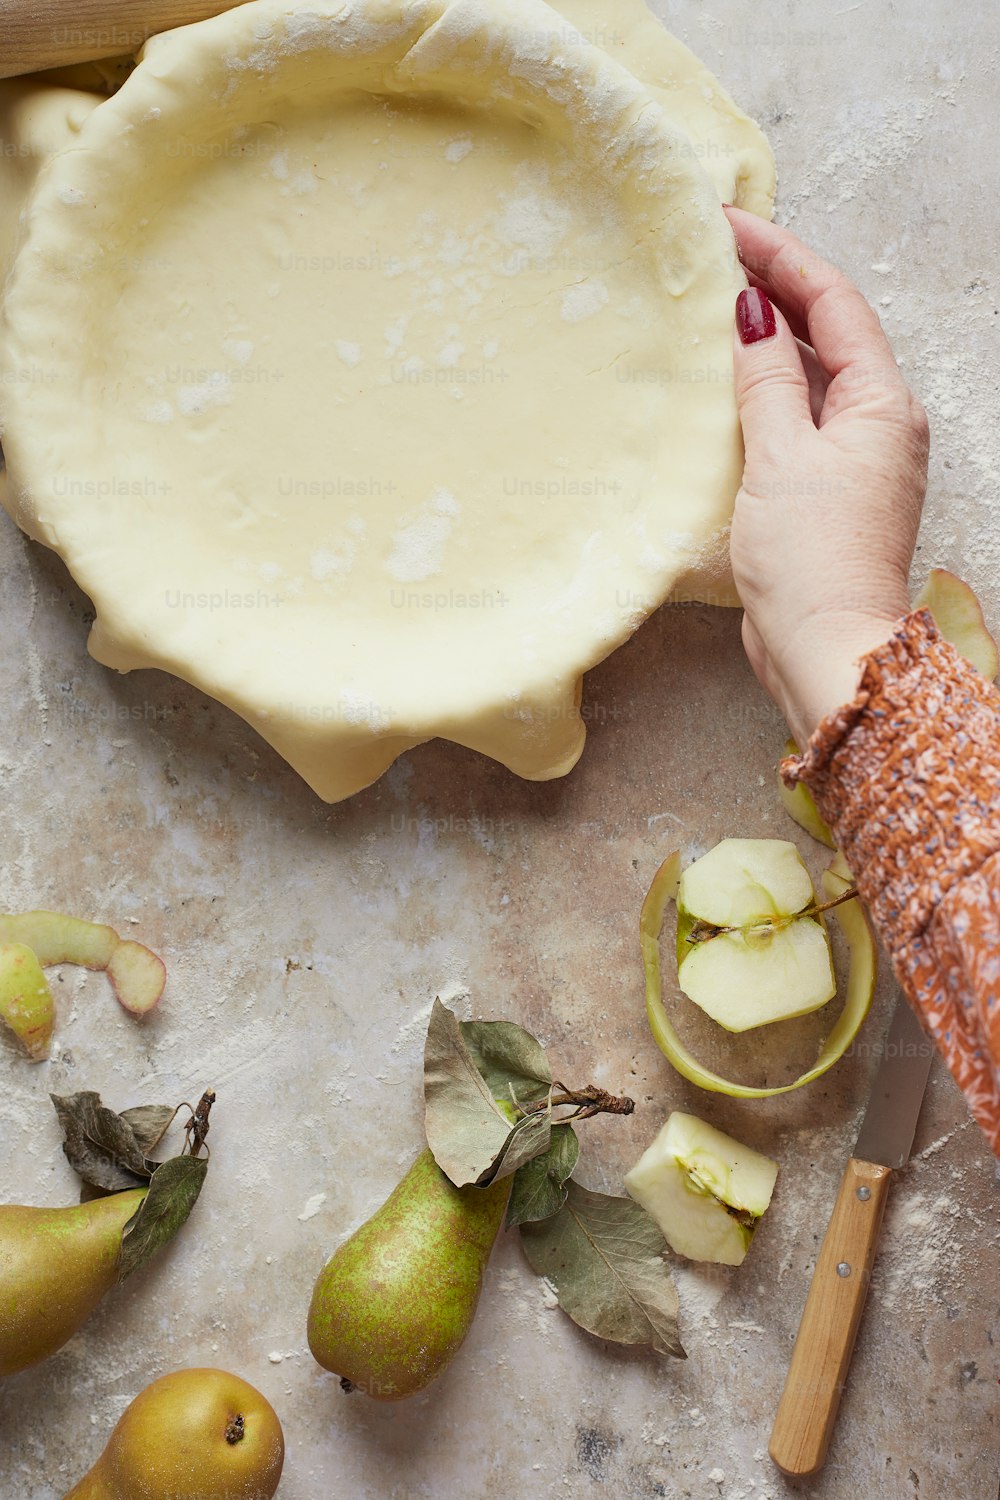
x,y
197,1127
587,1103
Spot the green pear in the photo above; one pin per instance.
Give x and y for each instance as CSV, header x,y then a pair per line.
x,y
192,1435
55,1266
393,1305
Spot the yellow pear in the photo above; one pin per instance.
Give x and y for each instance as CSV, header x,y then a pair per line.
x,y
55,1266
192,1435
394,1303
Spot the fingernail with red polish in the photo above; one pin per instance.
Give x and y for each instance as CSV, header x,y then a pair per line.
x,y
755,319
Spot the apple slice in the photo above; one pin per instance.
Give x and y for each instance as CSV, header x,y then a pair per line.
x,y
958,615
25,999
705,1191
742,880
853,922
767,963
137,976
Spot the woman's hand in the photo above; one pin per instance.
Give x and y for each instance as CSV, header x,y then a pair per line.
x,y
836,469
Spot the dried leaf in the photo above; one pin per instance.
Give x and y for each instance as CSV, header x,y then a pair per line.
x,y
465,1129
539,1189
529,1138
149,1123
173,1192
100,1145
509,1058
604,1256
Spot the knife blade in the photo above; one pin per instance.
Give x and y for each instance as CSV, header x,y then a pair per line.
x,y
817,1372
890,1122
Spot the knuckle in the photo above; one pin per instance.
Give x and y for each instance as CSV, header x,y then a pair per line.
x,y
765,380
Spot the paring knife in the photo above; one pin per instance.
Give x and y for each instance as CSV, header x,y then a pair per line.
x,y
807,1411
53,33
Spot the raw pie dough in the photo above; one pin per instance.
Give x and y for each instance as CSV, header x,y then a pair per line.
x,y
370,364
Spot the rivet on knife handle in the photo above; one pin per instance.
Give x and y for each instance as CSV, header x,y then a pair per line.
x,y
822,1354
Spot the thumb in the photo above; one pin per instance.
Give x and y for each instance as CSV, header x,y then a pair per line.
x,y
772,391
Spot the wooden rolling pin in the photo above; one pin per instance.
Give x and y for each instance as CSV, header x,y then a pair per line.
x,y
37,34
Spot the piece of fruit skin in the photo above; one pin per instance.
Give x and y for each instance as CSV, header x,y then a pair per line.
x,y
191,1435
800,806
837,877
55,1266
706,1191
57,939
862,975
747,979
394,1303
138,977
25,999
958,615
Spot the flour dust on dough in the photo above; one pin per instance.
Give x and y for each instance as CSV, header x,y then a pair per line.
x,y
385,364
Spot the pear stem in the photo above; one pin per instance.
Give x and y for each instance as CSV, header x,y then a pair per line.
x,y
586,1103
704,932
197,1127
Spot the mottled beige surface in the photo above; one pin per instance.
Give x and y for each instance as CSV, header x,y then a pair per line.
x,y
305,945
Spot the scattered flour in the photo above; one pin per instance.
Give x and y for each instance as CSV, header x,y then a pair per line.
x,y
355,708
534,223
324,565
584,300
418,546
192,400
458,149
160,412
312,1207
239,350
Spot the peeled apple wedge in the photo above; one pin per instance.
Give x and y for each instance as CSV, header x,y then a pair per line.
x,y
959,617
705,1191
771,969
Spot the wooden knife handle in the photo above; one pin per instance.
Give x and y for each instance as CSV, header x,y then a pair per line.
x,y
38,34
807,1411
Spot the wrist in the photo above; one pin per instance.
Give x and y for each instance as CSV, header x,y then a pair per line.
x,y
824,669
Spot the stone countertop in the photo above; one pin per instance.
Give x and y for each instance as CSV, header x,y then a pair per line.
x,y
305,944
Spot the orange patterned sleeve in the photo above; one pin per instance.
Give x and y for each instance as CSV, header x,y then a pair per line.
x,y
908,778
